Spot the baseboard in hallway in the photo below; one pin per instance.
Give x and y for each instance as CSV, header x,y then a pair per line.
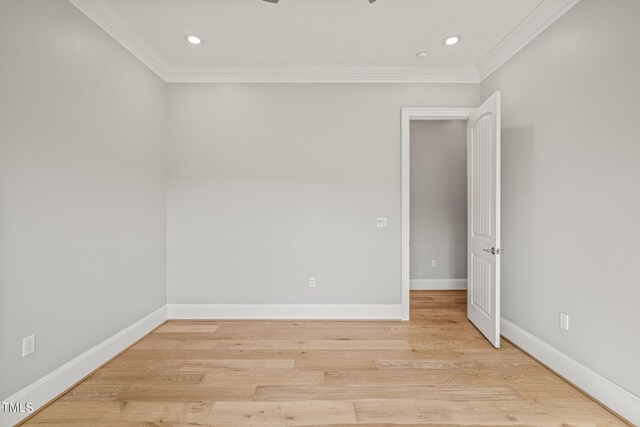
x,y
438,284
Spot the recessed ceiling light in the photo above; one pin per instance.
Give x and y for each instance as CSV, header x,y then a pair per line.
x,y
423,54
451,40
193,39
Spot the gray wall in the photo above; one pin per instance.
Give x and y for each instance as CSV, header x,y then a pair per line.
x,y
82,206
571,187
270,184
439,199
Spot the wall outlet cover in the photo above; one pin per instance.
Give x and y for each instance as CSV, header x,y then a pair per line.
x,y
564,321
28,345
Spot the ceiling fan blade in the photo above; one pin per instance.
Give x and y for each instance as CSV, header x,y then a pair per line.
x,y
276,1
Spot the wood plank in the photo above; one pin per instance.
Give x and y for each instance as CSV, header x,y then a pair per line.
x,y
260,377
470,364
288,413
142,392
303,359
441,377
485,412
93,412
110,377
352,392
266,344
173,326
312,330
141,364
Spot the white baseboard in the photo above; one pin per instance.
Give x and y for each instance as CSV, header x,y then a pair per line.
x,y
438,284
286,311
613,396
50,386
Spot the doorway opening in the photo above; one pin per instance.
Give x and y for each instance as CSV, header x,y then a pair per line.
x,y
438,210
434,200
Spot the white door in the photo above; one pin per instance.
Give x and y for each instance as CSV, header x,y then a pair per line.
x,y
483,252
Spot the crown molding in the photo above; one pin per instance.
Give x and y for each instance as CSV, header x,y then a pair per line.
x,y
322,74
545,14
106,19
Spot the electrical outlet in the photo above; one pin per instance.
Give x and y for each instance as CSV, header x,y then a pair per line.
x,y
312,282
564,321
434,263
28,345
382,222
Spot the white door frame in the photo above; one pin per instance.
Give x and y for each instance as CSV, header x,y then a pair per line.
x,y
409,114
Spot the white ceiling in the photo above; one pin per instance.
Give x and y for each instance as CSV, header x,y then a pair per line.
x,y
314,37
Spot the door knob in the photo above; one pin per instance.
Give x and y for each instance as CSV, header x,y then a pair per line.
x,y
494,251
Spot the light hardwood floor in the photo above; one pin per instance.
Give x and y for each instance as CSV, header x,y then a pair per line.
x,y
435,370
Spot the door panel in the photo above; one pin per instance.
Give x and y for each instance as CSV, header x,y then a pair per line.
x,y
483,258
482,280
